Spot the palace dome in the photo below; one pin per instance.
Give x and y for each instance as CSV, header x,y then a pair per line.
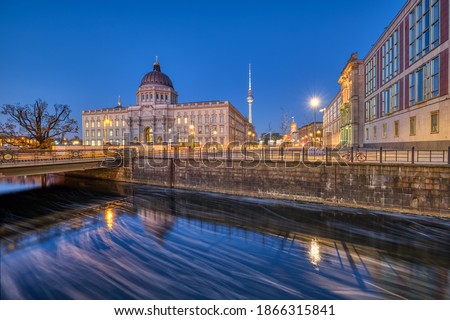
x,y
156,77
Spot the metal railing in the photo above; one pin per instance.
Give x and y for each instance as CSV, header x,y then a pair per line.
x,y
12,157
325,155
244,152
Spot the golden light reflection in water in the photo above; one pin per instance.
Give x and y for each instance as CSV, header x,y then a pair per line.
x,y
314,253
109,218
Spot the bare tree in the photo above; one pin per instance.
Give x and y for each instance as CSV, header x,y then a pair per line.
x,y
37,123
284,123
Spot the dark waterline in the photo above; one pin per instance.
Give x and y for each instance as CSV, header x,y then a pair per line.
x,y
82,239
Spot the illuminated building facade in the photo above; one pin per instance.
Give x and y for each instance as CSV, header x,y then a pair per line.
x,y
403,97
158,118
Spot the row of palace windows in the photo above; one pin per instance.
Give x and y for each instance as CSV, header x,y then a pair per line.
x,y
158,96
200,140
207,130
94,143
424,35
208,119
105,122
434,127
98,133
424,85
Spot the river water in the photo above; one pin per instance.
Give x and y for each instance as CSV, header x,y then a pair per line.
x,y
86,239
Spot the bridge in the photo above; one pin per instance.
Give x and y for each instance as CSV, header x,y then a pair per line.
x,y
41,162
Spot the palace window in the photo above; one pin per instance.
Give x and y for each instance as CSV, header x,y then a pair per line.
x,y
435,122
87,133
384,131
390,58
390,99
424,82
87,124
424,30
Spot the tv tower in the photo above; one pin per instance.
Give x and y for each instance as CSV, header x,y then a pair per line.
x,y
250,96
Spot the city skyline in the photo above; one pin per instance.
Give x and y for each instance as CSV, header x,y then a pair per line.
x,y
87,54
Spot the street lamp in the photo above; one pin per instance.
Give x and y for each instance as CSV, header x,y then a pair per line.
x,y
314,104
192,134
105,122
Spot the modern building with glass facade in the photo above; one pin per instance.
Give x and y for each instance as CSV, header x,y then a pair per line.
x,y
405,88
158,118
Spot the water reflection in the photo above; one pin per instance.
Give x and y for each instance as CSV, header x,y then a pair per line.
x,y
139,242
314,253
109,218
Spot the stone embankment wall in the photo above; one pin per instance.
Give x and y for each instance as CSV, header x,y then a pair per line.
x,y
415,188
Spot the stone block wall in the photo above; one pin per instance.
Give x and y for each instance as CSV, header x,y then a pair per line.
x,y
414,188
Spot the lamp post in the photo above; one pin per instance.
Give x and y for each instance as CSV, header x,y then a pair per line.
x,y
192,134
105,122
314,104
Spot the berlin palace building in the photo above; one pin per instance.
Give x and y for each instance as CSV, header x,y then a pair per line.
x,y
158,118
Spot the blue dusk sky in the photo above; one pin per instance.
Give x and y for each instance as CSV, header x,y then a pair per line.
x,y
87,53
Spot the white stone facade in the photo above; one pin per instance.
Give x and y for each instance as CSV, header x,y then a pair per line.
x,y
158,118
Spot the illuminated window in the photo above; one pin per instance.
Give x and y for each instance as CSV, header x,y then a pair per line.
x,y
384,131
435,122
